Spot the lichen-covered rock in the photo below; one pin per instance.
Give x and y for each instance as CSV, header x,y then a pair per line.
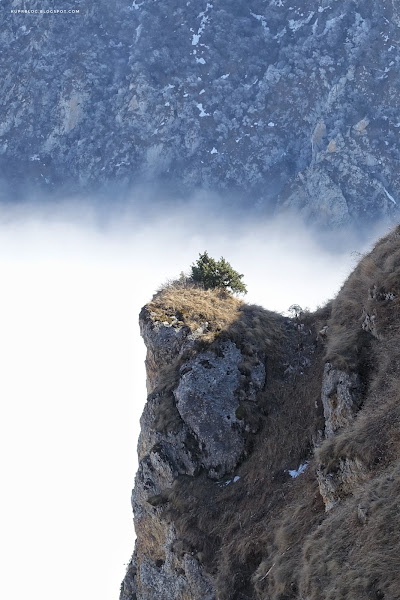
x,y
170,577
207,399
340,398
165,338
190,423
341,480
369,323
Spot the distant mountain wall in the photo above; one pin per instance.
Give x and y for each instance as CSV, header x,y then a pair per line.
x,y
282,105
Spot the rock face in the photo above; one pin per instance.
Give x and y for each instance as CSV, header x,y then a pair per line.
x,y
207,398
195,425
340,482
290,106
341,394
269,452
340,397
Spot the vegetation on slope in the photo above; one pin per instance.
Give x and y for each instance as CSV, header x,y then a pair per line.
x,y
268,536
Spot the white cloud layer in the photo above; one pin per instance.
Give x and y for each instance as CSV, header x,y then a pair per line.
x,y
72,378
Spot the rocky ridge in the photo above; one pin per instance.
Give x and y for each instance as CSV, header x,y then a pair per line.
x,y
269,454
281,105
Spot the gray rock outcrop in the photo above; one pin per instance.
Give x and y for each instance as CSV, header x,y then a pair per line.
x,y
340,396
195,425
340,481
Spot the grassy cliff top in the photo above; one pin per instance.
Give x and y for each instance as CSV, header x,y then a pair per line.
x,y
188,304
219,315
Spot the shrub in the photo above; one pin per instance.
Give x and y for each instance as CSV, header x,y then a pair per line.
x,y
217,274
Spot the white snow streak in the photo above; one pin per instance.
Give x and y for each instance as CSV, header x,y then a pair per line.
x,y
135,5
299,471
389,196
203,113
296,25
261,19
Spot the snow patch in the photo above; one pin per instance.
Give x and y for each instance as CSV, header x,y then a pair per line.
x,y
203,113
204,20
225,76
225,483
390,196
135,5
295,473
214,151
200,60
138,31
261,19
280,34
271,124
296,25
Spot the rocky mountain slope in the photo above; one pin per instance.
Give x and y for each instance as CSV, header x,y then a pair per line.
x,y
283,105
269,454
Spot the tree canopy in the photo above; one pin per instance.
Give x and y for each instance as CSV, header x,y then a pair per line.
x,y
217,274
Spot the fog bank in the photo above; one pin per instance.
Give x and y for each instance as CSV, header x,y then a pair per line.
x,y
73,381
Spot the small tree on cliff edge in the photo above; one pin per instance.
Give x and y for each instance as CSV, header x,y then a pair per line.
x,y
217,274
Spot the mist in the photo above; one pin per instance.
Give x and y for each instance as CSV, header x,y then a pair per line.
x,y
73,382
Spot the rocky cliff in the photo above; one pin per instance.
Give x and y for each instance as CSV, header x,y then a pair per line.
x,y
269,454
283,105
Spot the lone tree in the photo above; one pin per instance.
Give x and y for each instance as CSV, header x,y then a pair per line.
x,y
217,274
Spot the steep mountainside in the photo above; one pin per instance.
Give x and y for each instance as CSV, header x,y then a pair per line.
x,y
269,454
288,105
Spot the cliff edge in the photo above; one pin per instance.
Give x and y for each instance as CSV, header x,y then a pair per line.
x,y
269,453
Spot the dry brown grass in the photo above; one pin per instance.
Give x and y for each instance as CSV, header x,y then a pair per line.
x,y
278,574
344,558
374,437
370,296
192,306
